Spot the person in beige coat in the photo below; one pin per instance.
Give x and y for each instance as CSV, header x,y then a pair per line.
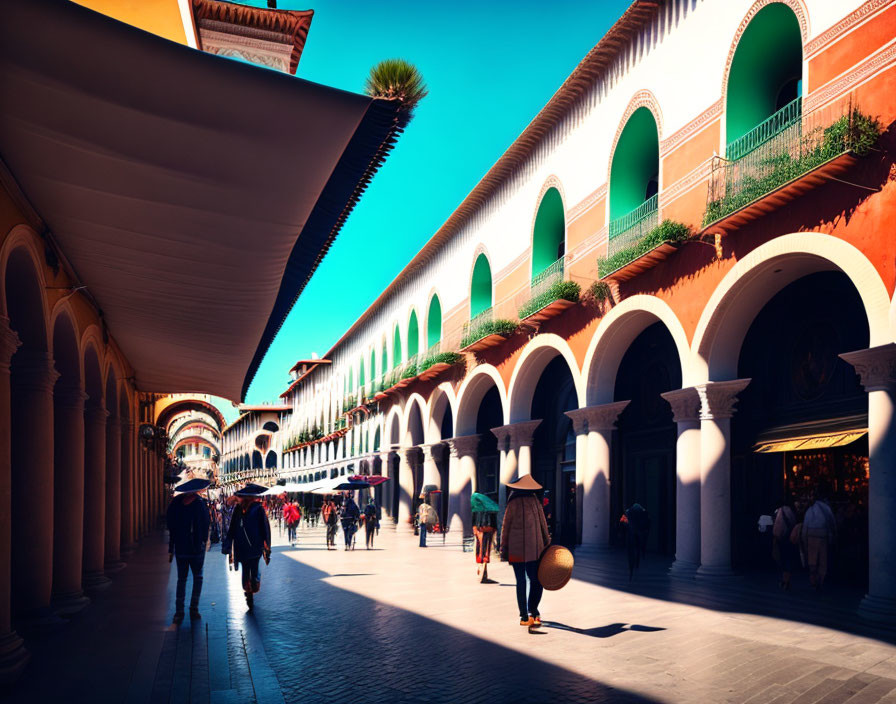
x,y
524,537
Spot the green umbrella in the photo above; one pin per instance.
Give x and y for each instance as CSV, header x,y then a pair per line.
x,y
480,502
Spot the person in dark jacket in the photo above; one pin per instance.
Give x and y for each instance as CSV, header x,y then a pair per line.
x,y
350,515
370,521
188,522
636,523
248,538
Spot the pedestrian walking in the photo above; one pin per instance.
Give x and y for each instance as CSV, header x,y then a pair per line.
x,y
485,524
331,520
248,539
784,552
350,515
371,514
426,517
291,516
636,523
819,532
188,523
524,537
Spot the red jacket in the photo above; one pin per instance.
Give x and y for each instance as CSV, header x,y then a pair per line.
x,y
291,513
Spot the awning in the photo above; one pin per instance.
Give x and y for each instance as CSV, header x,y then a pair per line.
x,y
814,435
192,195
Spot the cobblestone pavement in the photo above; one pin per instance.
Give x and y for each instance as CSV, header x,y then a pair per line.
x,y
403,624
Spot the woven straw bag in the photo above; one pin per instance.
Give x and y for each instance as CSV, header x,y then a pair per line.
x,y
555,567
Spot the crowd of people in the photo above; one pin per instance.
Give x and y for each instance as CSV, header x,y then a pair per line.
x,y
803,534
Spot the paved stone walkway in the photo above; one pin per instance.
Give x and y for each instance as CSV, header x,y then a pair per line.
x,y
402,624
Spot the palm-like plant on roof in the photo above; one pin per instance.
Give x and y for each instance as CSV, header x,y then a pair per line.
x,y
397,79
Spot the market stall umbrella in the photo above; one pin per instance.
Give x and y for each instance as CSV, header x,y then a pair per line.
x,y
481,502
275,491
293,488
372,479
352,486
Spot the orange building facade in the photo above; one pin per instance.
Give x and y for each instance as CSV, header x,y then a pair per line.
x,y
675,288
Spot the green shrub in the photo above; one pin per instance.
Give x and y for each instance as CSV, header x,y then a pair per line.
x,y
565,290
439,358
409,372
600,291
666,231
858,134
489,327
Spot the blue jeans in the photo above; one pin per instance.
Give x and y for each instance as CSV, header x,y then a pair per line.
x,y
521,570
422,529
185,564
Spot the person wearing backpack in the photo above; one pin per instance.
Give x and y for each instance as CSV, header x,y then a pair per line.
x,y
331,518
248,538
784,552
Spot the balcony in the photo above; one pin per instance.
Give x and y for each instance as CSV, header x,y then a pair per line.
x,y
783,158
484,331
548,295
628,230
644,253
435,362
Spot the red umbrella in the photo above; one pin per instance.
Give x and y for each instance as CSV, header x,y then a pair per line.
x,y
372,479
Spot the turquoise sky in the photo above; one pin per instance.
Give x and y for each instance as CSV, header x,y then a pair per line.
x,y
490,66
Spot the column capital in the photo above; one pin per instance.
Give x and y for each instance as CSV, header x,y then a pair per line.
x,y
96,413
875,366
597,418
685,404
504,434
521,433
36,374
718,398
432,451
464,445
9,343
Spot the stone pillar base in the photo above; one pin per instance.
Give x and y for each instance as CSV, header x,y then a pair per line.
x,y
40,620
682,569
95,581
13,657
68,604
720,572
114,566
878,609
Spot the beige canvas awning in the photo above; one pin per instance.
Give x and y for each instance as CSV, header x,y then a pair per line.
x,y
814,435
192,195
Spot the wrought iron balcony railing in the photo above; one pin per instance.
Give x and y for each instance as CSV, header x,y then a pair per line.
x,y
626,231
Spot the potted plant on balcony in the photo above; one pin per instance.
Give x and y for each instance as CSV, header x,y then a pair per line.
x,y
435,364
488,333
558,297
655,246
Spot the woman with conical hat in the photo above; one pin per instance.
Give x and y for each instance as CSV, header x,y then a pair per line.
x,y
187,519
524,537
248,538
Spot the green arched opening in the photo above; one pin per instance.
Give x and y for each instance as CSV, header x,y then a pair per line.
x,y
766,71
396,348
351,380
413,335
634,175
434,322
384,362
362,380
481,286
549,235
372,365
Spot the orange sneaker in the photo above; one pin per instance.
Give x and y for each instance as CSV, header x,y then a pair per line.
x,y
527,621
536,621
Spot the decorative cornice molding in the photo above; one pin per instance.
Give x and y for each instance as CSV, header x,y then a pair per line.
x,y
503,434
882,59
35,374
718,398
875,366
464,445
854,18
433,451
703,120
521,433
685,404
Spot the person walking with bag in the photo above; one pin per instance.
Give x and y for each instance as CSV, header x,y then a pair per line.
x,y
188,523
248,539
426,516
371,517
524,537
785,553
330,517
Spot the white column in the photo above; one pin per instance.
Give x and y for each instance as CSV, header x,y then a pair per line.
x,y
686,412
431,474
507,465
462,468
405,487
580,428
877,369
600,421
717,400
521,441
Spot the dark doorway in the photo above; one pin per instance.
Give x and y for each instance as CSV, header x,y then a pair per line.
x,y
554,450
643,468
489,416
798,381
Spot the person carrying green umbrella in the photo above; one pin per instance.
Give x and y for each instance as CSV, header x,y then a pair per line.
x,y
485,523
